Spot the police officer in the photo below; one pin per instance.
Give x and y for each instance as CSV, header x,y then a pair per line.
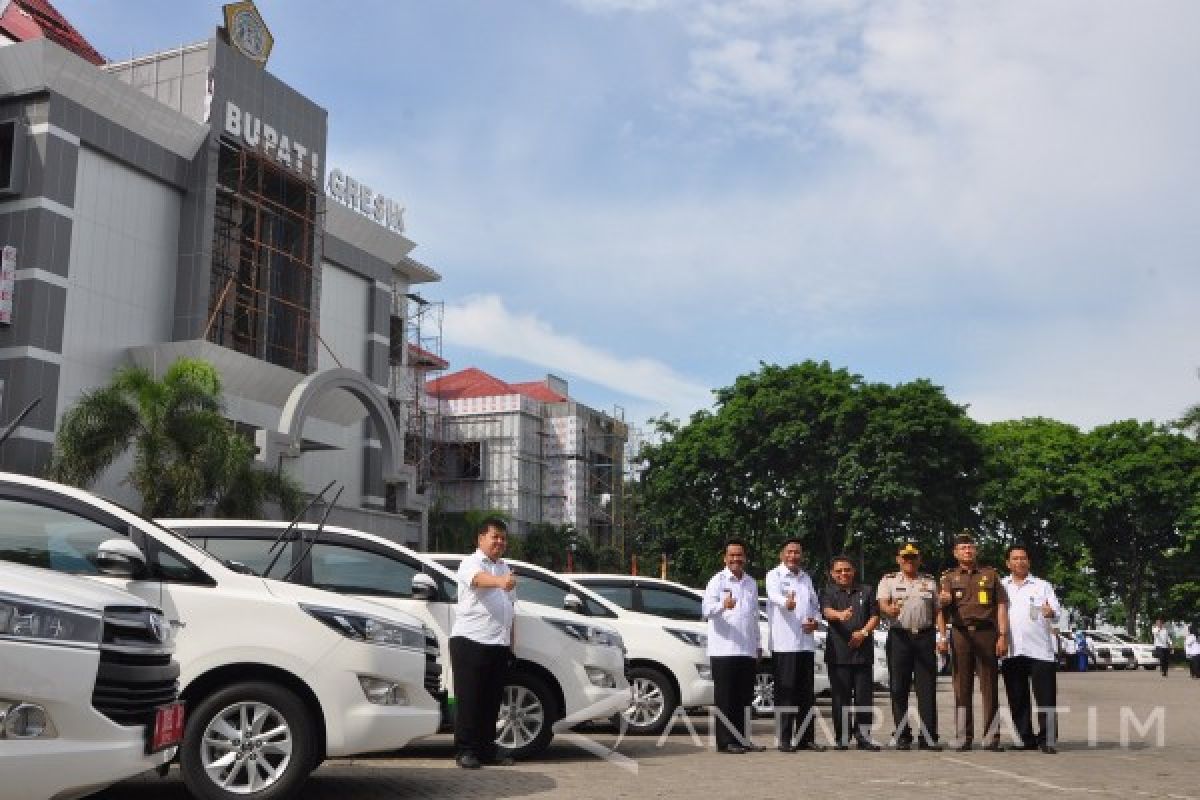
x,y
974,604
909,599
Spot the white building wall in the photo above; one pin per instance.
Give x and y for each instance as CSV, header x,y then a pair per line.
x,y
344,299
124,241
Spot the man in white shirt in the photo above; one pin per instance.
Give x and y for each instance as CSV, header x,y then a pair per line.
x,y
792,613
731,608
1162,645
1032,655
481,646
1191,649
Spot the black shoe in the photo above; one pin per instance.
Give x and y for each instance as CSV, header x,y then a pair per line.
x,y
965,747
813,746
732,749
994,747
787,748
1049,749
867,744
1026,746
903,744
468,761
935,747
502,758
754,748
841,747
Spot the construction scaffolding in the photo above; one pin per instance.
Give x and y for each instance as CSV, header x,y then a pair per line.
x,y
266,242
416,357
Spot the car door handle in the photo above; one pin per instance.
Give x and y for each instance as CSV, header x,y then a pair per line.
x,y
178,623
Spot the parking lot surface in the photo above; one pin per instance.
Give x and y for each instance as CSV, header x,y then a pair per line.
x,y
1161,760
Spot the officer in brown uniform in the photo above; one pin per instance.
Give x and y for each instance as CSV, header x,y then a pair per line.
x,y
974,603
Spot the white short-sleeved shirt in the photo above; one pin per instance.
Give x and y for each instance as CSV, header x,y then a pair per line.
x,y
1161,637
732,631
483,615
786,627
1191,646
1030,634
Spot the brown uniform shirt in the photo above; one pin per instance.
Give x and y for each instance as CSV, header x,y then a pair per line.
x,y
975,595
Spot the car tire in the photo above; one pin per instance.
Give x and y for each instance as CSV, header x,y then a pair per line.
x,y
528,710
654,702
216,729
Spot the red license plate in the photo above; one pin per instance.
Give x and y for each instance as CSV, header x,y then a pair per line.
x,y
168,727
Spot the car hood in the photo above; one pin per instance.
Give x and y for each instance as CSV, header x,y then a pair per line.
x,y
43,584
320,597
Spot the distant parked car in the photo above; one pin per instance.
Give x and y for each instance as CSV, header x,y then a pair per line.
x,y
1143,652
1110,652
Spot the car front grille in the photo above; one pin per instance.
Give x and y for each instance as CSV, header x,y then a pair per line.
x,y
136,674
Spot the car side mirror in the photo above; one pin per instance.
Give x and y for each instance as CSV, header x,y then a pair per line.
x,y
120,558
424,587
571,602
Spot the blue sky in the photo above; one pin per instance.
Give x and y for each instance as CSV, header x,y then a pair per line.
x,y
648,197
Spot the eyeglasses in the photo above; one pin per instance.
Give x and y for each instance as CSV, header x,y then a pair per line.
x,y
843,569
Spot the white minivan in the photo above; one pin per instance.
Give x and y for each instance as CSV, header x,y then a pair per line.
x,y
569,668
667,659
276,676
671,600
88,688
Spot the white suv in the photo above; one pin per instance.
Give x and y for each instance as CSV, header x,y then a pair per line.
x,y
675,601
88,688
667,660
275,676
568,670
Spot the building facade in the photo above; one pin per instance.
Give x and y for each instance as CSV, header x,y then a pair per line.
x,y
181,204
528,450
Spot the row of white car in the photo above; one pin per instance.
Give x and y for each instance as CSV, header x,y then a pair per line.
x,y
295,643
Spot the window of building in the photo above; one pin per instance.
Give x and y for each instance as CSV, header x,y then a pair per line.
x,y
264,252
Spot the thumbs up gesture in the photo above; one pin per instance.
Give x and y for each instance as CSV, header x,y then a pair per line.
x,y
1047,610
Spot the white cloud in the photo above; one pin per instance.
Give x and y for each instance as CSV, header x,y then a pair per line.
x,y
485,324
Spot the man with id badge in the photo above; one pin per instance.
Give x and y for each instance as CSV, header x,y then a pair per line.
x,y
792,613
974,603
1031,660
731,609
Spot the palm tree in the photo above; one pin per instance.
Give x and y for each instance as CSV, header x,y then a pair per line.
x,y
185,452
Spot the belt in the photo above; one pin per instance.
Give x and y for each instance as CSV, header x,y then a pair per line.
x,y
975,626
911,631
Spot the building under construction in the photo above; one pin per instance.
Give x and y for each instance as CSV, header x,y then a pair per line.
x,y
530,451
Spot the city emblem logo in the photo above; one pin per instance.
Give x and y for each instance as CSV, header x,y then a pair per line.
x,y
248,32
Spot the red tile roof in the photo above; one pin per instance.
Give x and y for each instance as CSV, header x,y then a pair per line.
x,y
420,357
25,20
472,382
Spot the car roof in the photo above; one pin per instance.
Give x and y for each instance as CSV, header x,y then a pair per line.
x,y
599,576
275,525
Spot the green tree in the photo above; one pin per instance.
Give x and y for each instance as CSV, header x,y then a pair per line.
x,y
185,453
814,452
1032,492
1143,484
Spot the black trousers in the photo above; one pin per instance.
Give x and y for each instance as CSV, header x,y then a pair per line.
x,y
912,661
733,692
794,688
1194,663
479,672
1021,672
850,685
1163,654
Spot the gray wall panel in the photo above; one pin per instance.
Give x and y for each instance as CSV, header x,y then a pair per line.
x,y
24,380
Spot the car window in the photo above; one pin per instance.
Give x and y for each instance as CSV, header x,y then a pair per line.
x,y
348,570
619,595
46,537
534,587
671,604
253,553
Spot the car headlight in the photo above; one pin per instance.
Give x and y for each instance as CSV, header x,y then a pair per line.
x,y
365,628
704,671
588,634
38,620
689,637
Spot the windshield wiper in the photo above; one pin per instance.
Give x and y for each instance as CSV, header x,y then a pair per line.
x,y
316,534
291,526
12,426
